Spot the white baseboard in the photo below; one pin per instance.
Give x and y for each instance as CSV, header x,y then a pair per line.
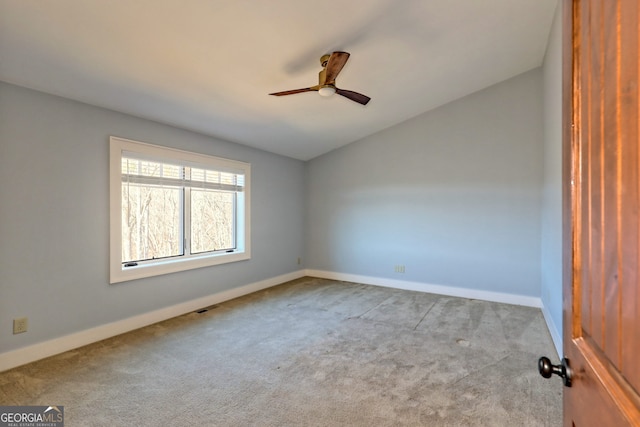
x,y
556,336
22,356
434,289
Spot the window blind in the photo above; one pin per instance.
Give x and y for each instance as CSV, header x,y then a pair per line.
x,y
145,171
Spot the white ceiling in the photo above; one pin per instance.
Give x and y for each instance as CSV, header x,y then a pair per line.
x,y
208,65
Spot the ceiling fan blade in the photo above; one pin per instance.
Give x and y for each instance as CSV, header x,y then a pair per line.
x,y
334,66
354,96
292,92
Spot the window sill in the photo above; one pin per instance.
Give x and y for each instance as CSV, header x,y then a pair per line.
x,y
123,274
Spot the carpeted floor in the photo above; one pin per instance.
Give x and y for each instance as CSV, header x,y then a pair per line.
x,y
310,352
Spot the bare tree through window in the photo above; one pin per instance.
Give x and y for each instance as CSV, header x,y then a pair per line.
x,y
153,209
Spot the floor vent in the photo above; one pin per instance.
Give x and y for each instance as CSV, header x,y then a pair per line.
x,y
204,310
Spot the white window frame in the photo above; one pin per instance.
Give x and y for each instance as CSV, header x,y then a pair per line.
x,y
120,273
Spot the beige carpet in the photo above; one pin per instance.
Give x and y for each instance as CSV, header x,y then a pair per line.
x,y
310,352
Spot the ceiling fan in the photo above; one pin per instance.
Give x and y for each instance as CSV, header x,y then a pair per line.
x,y
331,67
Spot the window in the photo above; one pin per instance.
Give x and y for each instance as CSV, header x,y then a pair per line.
x,y
173,210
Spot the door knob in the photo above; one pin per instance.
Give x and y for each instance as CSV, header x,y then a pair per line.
x,y
563,370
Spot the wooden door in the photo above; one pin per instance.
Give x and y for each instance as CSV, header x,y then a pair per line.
x,y
601,217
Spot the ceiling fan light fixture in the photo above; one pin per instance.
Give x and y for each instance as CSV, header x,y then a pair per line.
x,y
331,67
327,91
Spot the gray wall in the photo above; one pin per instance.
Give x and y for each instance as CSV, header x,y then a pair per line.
x,y
551,258
453,194
54,218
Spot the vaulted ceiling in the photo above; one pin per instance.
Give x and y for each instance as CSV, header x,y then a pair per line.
x,y
209,65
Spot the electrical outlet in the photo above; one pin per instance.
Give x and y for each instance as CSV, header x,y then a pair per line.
x,y
399,269
20,325
299,261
